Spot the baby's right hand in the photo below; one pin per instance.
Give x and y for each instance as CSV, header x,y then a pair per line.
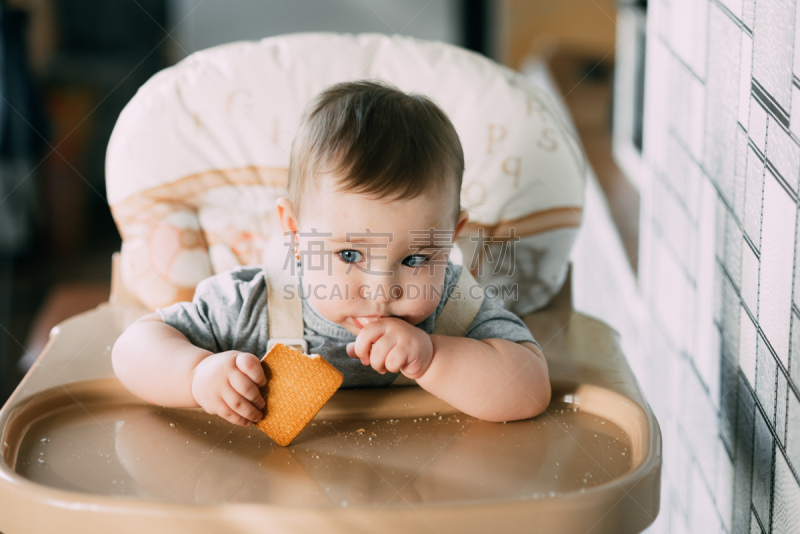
x,y
226,384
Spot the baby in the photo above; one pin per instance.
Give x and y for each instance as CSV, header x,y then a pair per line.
x,y
373,208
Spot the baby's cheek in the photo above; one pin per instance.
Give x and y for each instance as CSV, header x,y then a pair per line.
x,y
326,302
420,308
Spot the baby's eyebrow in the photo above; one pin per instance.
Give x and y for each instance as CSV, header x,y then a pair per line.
x,y
415,244
353,240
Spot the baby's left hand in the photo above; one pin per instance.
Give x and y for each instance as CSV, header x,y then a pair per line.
x,y
391,344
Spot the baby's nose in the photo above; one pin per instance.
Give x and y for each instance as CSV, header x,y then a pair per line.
x,y
382,290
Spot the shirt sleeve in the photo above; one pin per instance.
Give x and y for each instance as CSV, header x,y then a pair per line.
x,y
494,321
228,312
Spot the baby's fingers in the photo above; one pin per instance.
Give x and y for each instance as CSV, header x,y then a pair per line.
x,y
245,387
363,343
378,353
240,406
395,360
236,419
251,366
351,351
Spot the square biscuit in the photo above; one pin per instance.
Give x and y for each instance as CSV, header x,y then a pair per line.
x,y
298,386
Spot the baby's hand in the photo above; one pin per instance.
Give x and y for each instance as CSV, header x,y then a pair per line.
x,y
393,345
226,384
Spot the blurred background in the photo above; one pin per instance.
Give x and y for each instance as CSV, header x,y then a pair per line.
x,y
686,113
70,66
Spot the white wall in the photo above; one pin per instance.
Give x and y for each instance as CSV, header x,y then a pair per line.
x,y
719,262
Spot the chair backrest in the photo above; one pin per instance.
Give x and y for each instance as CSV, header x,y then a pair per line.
x,y
200,154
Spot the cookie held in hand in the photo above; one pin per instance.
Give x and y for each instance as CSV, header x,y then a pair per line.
x,y
298,386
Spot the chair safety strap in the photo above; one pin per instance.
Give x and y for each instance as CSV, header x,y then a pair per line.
x,y
461,308
284,303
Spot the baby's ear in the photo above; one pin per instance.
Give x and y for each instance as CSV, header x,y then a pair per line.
x,y
463,217
286,215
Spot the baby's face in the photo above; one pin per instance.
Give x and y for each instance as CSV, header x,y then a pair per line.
x,y
364,259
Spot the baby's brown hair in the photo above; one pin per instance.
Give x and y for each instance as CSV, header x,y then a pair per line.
x,y
378,141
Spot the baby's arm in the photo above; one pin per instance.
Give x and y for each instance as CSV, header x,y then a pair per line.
x,y
491,379
159,364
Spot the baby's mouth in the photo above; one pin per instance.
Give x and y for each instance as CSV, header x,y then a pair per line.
x,y
361,322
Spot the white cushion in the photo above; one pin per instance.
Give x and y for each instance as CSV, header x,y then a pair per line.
x,y
199,155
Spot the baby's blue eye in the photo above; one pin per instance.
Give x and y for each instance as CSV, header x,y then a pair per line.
x,y
416,260
350,256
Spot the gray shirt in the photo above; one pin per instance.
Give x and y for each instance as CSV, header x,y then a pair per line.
x,y
229,312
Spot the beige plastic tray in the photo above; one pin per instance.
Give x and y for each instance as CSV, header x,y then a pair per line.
x,y
81,454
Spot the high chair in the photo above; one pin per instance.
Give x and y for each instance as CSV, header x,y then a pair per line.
x,y
194,166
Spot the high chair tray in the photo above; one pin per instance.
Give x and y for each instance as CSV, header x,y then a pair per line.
x,y
81,454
